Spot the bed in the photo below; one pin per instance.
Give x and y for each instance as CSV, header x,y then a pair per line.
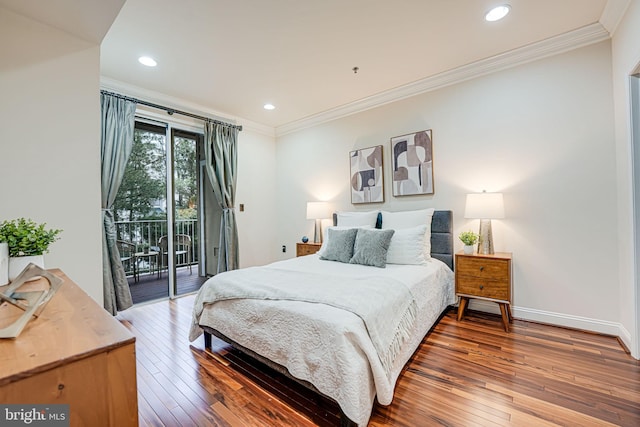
x,y
351,352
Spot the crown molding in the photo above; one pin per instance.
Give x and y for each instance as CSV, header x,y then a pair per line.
x,y
612,14
580,37
180,104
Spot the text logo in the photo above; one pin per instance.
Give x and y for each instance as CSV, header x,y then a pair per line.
x,y
34,415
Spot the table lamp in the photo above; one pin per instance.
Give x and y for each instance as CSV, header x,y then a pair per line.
x,y
317,211
485,207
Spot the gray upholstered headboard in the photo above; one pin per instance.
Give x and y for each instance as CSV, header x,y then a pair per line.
x,y
441,235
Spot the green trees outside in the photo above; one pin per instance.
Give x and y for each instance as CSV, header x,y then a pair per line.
x,y
140,208
185,178
143,190
144,181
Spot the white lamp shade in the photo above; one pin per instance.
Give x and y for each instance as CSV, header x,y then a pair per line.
x,y
317,210
484,206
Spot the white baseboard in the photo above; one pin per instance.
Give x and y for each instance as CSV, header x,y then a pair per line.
x,y
558,319
625,337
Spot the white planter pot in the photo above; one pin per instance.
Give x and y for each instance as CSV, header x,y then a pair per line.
x,y
468,249
4,264
17,264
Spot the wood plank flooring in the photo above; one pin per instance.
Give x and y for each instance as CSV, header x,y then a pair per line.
x,y
469,373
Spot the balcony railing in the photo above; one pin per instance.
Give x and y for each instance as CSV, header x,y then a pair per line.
x,y
146,234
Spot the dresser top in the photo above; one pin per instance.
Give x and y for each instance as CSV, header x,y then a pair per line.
x,y
72,326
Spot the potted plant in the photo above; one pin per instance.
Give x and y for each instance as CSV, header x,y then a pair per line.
x,y
469,238
27,241
143,247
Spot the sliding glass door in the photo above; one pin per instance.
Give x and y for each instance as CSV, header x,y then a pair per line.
x,y
141,216
158,217
188,250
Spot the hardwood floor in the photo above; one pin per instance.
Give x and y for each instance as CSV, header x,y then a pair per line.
x,y
469,373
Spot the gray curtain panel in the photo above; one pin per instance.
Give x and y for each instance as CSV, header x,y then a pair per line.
x,y
221,155
118,119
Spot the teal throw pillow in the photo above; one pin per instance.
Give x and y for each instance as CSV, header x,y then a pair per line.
x,y
371,246
339,245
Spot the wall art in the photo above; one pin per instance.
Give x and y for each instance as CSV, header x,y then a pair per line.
x,y
412,164
367,180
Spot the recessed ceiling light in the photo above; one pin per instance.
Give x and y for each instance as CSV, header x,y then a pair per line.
x,y
148,61
269,107
497,13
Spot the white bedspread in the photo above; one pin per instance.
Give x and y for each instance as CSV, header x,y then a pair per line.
x,y
332,348
388,324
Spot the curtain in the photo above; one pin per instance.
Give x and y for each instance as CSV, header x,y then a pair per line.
x,y
221,157
118,119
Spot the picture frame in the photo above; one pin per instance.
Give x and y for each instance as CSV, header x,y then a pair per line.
x,y
367,175
412,163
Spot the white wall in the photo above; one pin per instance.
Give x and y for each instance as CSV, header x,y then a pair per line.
x,y
625,59
257,191
541,133
50,141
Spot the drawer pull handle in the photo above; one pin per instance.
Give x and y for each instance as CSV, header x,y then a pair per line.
x,y
482,268
481,287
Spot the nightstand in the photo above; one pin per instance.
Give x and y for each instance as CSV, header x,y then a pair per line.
x,y
307,248
486,277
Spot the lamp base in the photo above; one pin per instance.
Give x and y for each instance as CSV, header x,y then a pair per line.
x,y
317,235
485,245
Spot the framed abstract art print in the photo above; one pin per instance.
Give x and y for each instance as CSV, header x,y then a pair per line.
x,y
367,180
412,164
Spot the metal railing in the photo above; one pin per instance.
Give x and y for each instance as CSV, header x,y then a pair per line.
x,y
146,234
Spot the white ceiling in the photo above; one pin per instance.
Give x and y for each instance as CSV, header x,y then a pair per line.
x,y
232,56
86,19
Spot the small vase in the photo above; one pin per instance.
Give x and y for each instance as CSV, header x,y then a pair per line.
x,y
19,263
4,264
468,249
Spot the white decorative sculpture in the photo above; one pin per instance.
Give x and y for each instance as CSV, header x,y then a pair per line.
x,y
31,302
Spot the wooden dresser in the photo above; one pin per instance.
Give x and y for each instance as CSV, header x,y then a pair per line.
x,y
75,353
485,277
307,248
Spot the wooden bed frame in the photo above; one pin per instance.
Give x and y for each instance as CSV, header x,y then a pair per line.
x,y
441,249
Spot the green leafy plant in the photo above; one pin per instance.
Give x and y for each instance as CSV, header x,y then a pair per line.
x,y
26,238
469,238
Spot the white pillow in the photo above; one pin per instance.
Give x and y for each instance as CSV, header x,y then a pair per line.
x,y
410,219
357,219
407,219
407,246
325,237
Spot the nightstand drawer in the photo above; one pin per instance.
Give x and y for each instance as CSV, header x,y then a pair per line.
x,y
483,268
480,287
303,249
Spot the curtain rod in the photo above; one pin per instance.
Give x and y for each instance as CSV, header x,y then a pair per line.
x,y
171,111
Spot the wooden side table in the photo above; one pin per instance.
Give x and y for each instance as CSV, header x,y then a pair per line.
x,y
309,248
486,277
152,259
